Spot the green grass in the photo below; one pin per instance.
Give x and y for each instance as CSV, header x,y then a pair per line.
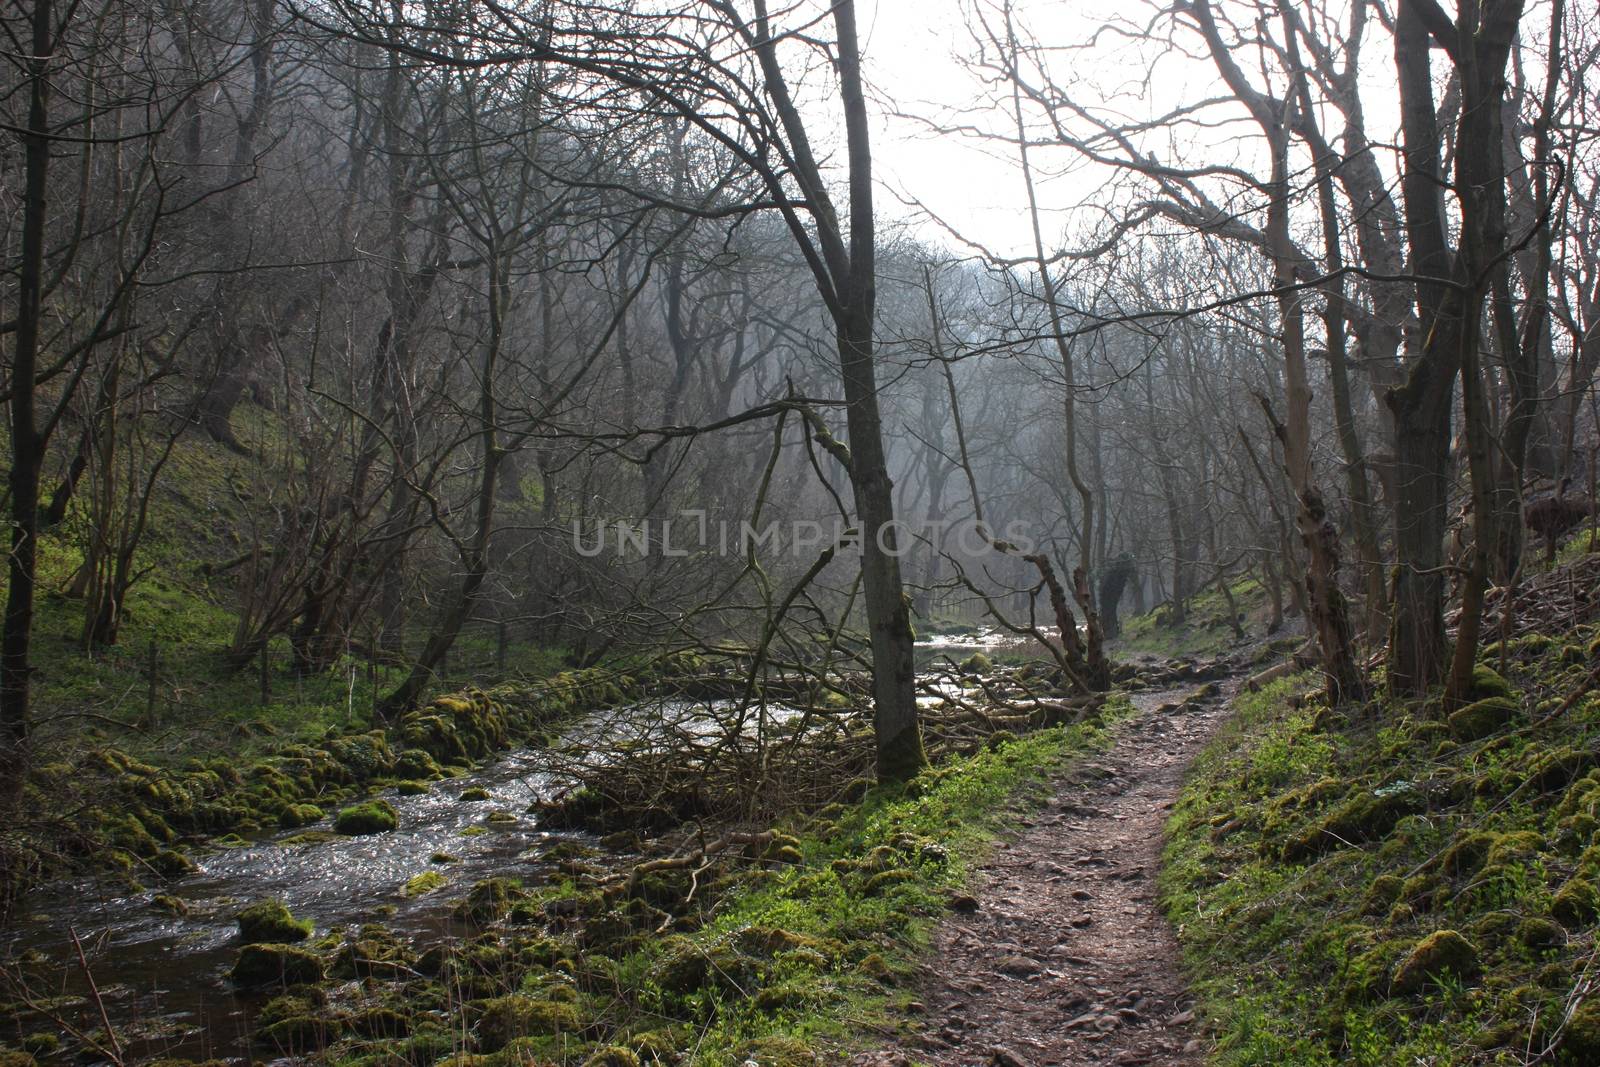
x,y
934,831
1312,854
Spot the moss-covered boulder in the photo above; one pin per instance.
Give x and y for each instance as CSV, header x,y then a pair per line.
x,y
503,1019
1488,682
1443,952
613,1056
297,815
489,900
264,965
418,765
684,966
1484,717
1366,816
1580,1038
426,882
368,817
977,663
269,921
1577,903
776,1052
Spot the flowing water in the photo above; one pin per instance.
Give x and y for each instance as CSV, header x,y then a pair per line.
x,y
163,976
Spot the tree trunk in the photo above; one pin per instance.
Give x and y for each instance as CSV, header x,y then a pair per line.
x,y
27,444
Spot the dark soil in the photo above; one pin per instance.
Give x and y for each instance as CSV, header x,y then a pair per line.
x,y
1061,955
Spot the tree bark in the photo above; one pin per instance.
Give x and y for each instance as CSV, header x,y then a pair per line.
x,y
27,443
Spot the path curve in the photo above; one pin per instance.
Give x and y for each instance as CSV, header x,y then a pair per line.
x,y
1060,955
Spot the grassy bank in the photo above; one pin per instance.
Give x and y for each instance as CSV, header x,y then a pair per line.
x,y
1400,887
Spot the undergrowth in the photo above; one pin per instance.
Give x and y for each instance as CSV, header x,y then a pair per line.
x,y
1397,886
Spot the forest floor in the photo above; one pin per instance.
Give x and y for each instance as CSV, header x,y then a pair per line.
x,y
1061,954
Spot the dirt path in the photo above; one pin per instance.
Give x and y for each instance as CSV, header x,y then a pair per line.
x,y
1061,955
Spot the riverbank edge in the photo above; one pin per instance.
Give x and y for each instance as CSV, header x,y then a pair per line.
x,y
110,812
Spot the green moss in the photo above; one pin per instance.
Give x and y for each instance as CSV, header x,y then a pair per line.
x,y
1576,903
1484,717
412,788
40,1043
977,663
268,965
369,817
503,1019
172,863
270,921
426,882
489,900
1488,682
1537,933
170,904
613,1056
1441,953
473,793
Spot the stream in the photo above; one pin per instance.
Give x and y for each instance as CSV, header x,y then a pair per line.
x,y
163,976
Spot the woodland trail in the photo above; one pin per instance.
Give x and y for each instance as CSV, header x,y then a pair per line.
x,y
1061,955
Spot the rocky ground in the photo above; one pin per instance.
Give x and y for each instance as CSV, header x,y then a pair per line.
x,y
1060,954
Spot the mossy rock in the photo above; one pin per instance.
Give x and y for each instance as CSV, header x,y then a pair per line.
x,y
270,922
776,1052
1517,846
300,1034
297,815
1466,852
1536,932
379,1024
170,904
1443,952
40,1043
473,793
883,881
172,863
1577,903
1575,833
1488,682
1559,768
489,900
1381,894
369,817
501,1020
1580,1038
417,765
426,882
262,965
1494,927
411,788
977,663
1366,816
684,966
1484,717
613,1056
